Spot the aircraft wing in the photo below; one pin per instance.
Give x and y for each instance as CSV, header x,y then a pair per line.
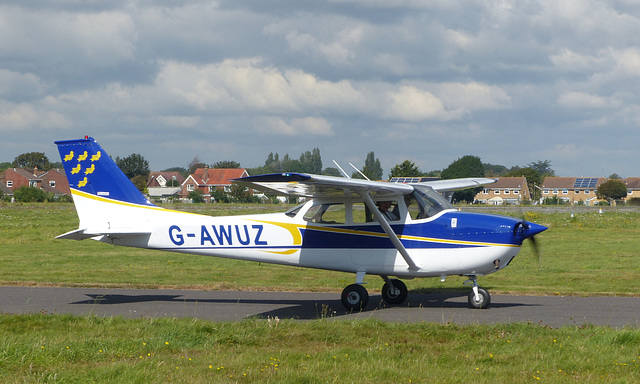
x,y
457,184
308,185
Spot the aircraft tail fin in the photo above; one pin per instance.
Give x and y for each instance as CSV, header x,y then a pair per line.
x,y
100,190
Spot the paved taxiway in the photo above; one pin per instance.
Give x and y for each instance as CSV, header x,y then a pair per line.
x,y
232,305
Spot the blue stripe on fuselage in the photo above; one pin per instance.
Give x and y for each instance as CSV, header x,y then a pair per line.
x,y
468,230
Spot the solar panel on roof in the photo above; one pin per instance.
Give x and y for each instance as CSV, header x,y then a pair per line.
x,y
585,182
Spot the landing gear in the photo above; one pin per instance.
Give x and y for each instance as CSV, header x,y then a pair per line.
x,y
394,291
478,297
355,297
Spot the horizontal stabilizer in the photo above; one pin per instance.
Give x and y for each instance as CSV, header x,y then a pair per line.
x,y
82,234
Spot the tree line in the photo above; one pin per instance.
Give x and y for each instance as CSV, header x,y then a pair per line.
x,y
136,168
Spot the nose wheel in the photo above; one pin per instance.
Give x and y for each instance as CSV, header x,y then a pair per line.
x,y
479,298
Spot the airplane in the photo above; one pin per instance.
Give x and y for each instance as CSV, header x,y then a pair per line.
x,y
393,230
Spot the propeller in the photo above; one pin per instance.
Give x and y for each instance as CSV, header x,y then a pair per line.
x,y
529,230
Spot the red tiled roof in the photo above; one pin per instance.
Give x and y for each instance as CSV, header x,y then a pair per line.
x,y
567,182
218,176
633,182
508,182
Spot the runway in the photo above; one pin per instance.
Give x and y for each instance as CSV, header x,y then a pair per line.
x,y
552,311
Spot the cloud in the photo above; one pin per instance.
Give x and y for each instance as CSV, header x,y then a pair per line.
x,y
297,127
584,100
24,117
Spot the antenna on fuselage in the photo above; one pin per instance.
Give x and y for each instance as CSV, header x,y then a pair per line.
x,y
341,170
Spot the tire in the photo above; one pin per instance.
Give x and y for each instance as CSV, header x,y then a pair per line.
x,y
485,299
355,297
396,293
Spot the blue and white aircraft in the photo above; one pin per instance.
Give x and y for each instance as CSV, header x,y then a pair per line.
x,y
357,226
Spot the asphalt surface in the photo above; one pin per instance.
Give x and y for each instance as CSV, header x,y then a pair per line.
x,y
553,311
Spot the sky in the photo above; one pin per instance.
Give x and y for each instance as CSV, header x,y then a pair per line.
x,y
512,82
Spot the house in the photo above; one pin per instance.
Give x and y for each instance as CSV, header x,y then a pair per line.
x,y
207,180
575,190
53,181
161,179
506,190
164,186
633,187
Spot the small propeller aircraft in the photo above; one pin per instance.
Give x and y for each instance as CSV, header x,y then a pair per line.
x,y
349,225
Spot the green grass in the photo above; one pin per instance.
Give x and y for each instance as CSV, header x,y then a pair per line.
x,y
43,348
590,253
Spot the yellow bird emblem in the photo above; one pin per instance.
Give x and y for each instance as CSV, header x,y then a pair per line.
x,y
76,169
96,157
82,183
90,169
83,157
69,156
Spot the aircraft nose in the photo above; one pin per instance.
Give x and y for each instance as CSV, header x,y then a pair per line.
x,y
531,229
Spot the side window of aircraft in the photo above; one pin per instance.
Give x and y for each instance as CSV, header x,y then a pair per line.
x,y
414,207
362,214
333,213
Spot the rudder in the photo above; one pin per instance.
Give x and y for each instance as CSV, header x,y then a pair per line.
x,y
90,170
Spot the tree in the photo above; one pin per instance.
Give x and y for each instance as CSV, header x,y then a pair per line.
x,y
615,176
331,171
184,172
405,169
533,178
466,166
226,164
32,160
196,196
195,164
134,165
543,167
372,168
612,190
311,161
494,170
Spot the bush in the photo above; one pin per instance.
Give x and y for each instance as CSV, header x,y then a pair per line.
x,y
634,201
29,195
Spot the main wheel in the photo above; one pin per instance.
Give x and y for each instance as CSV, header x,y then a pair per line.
x,y
355,297
483,301
396,293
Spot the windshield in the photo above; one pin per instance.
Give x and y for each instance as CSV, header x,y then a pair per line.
x,y
294,211
429,202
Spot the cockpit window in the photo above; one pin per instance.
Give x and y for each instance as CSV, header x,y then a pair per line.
x,y
330,213
294,211
425,202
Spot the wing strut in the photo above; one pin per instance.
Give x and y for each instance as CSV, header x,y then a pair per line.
x,y
388,230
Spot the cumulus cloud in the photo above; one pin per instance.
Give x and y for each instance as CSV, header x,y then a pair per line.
x,y
298,126
584,100
339,76
24,118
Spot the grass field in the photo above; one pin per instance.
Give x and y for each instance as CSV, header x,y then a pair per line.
x,y
587,254
65,349
590,253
